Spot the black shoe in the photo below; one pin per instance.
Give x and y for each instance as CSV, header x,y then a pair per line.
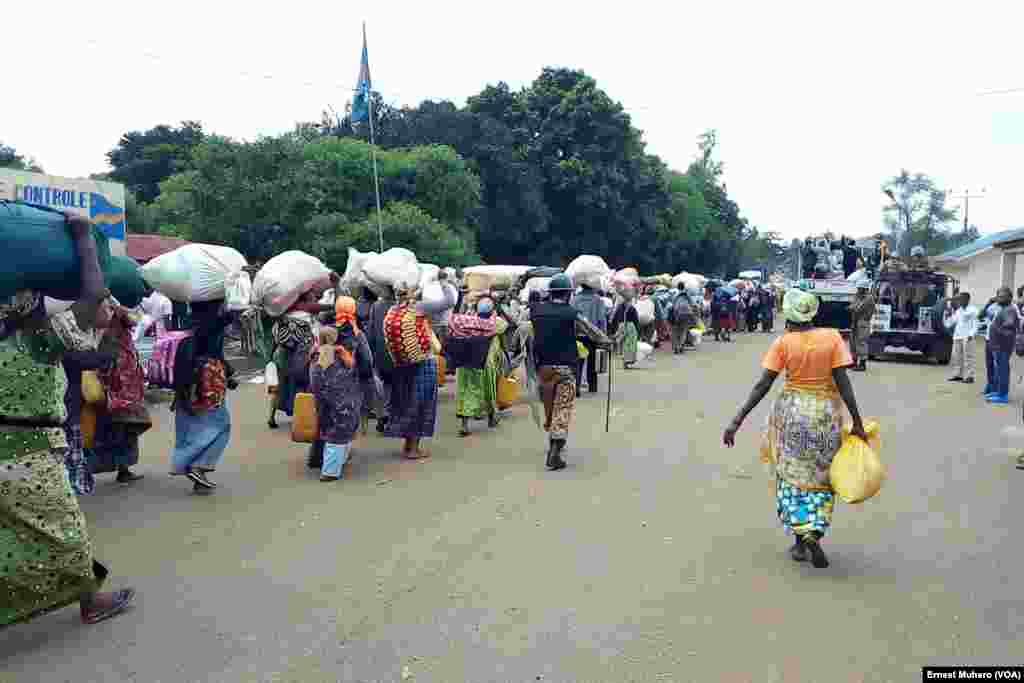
x,y
818,558
201,490
200,480
127,477
555,461
799,552
272,424
969,380
956,379
382,424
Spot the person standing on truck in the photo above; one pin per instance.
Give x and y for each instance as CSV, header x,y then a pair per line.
x,y
962,319
1002,322
862,309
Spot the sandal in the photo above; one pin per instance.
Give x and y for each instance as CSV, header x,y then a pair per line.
x,y
417,454
122,599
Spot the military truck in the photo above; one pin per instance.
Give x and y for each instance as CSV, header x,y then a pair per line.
x,y
835,297
909,313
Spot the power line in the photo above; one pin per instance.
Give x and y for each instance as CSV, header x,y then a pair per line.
x,y
1005,91
332,85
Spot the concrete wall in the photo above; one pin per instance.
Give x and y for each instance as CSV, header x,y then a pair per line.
x,y
981,275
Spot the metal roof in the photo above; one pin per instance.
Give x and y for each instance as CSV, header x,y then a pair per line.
x,y
982,244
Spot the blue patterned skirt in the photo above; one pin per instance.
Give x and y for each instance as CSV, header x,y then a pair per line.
x,y
802,511
413,401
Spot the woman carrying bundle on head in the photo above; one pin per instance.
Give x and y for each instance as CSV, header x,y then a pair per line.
x,y
412,348
476,348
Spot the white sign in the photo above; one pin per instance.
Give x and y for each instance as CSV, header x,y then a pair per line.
x,y
100,201
881,321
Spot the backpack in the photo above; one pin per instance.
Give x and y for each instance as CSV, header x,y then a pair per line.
x,y
169,353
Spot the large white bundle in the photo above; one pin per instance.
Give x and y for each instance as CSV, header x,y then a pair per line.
x,y
484,278
396,267
286,277
859,276
690,280
627,278
534,284
194,272
588,270
428,273
645,310
353,279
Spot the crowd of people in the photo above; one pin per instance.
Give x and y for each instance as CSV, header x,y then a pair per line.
x,y
382,356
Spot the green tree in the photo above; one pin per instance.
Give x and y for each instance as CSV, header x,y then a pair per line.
x,y
9,158
142,159
917,214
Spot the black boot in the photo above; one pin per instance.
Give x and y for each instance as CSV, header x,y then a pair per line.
x,y
799,551
818,558
555,461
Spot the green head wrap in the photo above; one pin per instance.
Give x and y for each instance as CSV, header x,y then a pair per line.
x,y
799,306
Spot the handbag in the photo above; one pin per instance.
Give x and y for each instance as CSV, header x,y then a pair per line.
x,y
92,388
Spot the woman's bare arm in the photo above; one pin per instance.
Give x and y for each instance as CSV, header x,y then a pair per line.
x,y
842,380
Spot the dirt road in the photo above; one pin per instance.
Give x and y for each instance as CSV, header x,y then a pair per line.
x,y
655,557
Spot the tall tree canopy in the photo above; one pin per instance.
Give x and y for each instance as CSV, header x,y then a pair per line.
x,y
917,215
10,158
142,160
532,176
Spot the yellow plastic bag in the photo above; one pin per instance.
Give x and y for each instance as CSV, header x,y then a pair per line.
x,y
508,392
305,425
857,473
582,352
700,327
92,388
87,422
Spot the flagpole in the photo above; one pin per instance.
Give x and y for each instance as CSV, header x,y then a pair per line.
x,y
373,154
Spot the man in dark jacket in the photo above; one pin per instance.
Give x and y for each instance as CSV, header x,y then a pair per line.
x,y
556,325
1004,323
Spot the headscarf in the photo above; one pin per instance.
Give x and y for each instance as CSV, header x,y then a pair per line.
x,y
330,350
799,306
345,312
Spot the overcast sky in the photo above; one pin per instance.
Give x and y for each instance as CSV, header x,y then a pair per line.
x,y
816,103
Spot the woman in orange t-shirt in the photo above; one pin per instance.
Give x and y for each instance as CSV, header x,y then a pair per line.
x,y
805,426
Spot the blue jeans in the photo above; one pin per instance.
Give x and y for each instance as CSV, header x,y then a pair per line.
x,y
335,456
990,370
1001,363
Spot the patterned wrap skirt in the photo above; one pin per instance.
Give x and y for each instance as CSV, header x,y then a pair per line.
x,y
413,409
46,557
803,436
558,394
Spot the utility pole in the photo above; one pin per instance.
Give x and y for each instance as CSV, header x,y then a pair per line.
x,y
967,197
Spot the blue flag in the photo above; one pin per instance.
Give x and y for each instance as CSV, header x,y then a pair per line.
x,y
361,100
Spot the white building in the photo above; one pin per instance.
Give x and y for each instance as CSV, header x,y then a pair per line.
x,y
985,264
